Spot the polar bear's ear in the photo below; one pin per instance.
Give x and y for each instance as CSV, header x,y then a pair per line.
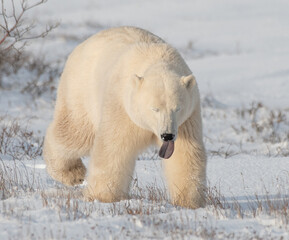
x,y
188,81
137,79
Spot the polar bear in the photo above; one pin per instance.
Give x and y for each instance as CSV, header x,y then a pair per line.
x,y
121,91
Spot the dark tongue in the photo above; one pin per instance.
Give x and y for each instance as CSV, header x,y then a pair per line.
x,y
167,149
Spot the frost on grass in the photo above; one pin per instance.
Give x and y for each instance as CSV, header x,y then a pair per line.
x,y
255,129
17,142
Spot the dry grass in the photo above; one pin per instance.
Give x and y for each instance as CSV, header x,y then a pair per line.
x,y
266,123
10,63
44,78
18,142
253,206
70,204
234,131
15,180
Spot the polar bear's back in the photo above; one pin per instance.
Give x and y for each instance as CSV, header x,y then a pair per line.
x,y
115,40
111,43
98,52
128,35
96,55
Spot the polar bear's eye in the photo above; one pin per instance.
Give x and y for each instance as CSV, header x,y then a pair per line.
x,y
156,109
178,109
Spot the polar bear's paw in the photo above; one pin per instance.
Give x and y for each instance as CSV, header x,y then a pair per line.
x,y
106,195
73,175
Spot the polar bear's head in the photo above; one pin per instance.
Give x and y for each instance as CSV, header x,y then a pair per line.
x,y
160,101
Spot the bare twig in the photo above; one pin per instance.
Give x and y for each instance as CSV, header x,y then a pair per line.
x,y
18,31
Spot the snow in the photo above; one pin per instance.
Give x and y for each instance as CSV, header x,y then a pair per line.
x,y
239,53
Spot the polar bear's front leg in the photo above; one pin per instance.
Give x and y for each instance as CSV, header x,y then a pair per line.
x,y
186,170
110,170
186,180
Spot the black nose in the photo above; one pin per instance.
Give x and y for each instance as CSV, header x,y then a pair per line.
x,y
167,137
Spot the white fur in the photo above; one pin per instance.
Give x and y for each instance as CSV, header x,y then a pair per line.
x,y
120,90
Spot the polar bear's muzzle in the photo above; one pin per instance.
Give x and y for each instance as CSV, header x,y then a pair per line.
x,y
167,149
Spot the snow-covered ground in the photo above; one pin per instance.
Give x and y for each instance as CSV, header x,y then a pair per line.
x,y
239,53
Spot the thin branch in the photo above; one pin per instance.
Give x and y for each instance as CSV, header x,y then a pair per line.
x,y
17,31
34,5
13,9
4,14
12,29
4,28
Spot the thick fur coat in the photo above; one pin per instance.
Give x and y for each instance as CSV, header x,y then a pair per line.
x,y
121,91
